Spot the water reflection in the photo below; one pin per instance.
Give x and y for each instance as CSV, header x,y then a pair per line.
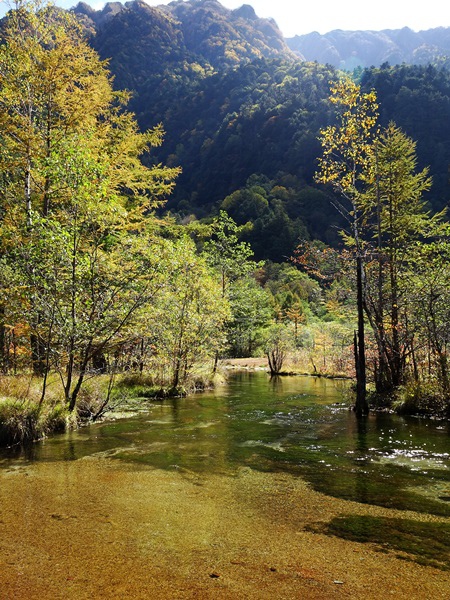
x,y
302,425
362,447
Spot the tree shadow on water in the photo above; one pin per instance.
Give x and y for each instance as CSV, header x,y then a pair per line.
x,y
424,543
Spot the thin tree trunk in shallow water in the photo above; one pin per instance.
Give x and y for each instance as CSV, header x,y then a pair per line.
x,y
361,405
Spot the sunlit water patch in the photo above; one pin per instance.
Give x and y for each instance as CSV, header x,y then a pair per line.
x,y
417,459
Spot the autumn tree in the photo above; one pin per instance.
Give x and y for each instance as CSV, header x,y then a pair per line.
x,y
344,164
75,193
376,173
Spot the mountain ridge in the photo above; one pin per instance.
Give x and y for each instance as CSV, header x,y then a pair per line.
x,y
351,49
242,113
209,31
235,30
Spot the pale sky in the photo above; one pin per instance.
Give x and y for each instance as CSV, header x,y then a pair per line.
x,y
325,15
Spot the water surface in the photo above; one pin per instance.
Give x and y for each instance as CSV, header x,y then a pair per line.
x,y
299,425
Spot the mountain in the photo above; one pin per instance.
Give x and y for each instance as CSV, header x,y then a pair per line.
x,y
242,110
350,49
206,33
192,31
164,52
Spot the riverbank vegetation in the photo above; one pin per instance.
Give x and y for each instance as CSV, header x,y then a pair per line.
x,y
104,295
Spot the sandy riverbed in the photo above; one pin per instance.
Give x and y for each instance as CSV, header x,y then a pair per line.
x,y
98,529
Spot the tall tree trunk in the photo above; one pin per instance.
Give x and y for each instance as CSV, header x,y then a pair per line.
x,y
396,359
141,356
36,343
38,351
3,350
87,355
361,404
383,379
176,373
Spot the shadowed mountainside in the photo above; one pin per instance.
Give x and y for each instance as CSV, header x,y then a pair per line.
x,y
242,112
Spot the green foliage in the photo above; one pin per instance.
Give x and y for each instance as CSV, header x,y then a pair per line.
x,y
278,342
251,313
420,398
291,291
226,253
375,172
233,260
407,91
263,210
190,310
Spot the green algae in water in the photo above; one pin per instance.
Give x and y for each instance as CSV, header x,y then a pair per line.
x,y
424,543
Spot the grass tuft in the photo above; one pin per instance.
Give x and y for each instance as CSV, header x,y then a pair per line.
x,y
23,421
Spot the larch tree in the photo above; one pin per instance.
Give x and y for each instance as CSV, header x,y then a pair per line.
x,y
345,164
381,195
75,194
397,221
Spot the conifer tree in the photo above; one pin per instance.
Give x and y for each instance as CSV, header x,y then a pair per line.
x,y
344,165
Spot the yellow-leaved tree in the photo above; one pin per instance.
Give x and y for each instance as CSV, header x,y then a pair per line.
x,y
76,232
345,162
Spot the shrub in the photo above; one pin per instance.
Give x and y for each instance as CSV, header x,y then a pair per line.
x,y
420,398
18,421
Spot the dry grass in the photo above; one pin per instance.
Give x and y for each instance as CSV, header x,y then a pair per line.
x,y
26,416
23,421
300,362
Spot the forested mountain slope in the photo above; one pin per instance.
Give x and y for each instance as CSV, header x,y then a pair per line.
x,y
242,112
187,34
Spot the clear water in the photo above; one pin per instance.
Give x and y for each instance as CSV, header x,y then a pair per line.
x,y
300,425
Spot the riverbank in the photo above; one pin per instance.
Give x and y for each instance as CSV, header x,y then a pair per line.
x,y
246,364
291,367
26,416
100,529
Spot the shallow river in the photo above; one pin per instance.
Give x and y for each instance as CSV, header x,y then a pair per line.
x,y
301,425
297,430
